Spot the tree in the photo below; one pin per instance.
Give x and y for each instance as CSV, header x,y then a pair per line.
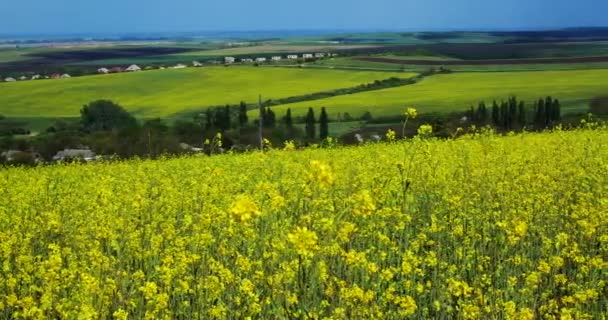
x,y
269,118
323,124
557,110
288,120
310,124
539,118
209,121
243,119
521,114
495,114
105,115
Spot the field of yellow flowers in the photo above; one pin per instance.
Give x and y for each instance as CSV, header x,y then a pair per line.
x,y
481,227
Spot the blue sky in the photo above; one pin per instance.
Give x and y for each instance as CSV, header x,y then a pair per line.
x,y
119,16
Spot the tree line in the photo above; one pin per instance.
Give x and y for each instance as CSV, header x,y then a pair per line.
x,y
512,114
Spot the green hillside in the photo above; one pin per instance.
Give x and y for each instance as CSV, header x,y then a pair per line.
x,y
163,93
455,92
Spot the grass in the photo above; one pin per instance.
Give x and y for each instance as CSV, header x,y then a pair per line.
x,y
349,62
163,93
455,92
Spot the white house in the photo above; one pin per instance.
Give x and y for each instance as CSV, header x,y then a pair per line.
x,y
260,59
83,154
103,70
133,68
229,60
307,56
319,55
196,64
179,66
276,58
65,76
9,79
36,77
292,56
246,60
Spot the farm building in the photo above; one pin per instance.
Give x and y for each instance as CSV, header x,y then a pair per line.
x,y
292,56
307,56
55,76
23,78
103,70
229,60
179,66
260,59
36,77
246,60
67,154
9,79
65,76
116,70
276,58
319,55
196,64
133,68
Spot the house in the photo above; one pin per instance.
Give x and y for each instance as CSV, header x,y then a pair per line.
x,y
12,155
65,76
292,56
229,60
82,154
9,79
103,70
319,55
116,70
196,64
307,56
133,68
55,76
23,78
276,58
179,66
36,77
260,59
246,60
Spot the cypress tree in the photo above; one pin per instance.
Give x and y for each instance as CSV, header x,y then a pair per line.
x,y
557,112
272,119
288,120
548,111
495,114
323,124
310,124
504,115
540,114
483,115
209,119
521,114
243,119
226,117
512,112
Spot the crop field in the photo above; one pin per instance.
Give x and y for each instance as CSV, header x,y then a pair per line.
x,y
482,227
163,93
456,92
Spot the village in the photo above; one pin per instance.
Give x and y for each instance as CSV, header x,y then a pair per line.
x,y
195,64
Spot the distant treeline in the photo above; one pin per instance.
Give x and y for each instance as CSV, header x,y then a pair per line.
x,y
514,114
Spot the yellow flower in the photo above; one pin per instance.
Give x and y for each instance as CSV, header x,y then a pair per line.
x,y
244,209
411,113
425,130
304,241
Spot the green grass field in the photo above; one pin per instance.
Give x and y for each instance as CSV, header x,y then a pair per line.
x,y
164,93
456,92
